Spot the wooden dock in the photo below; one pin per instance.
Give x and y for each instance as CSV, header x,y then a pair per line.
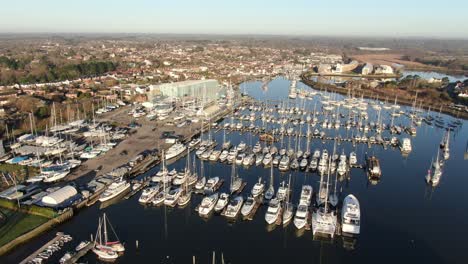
x,y
43,248
254,211
279,221
241,188
133,192
80,254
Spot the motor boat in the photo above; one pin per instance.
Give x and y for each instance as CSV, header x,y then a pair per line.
x,y
234,207
273,211
301,216
351,215
248,206
222,202
258,188
208,204
115,189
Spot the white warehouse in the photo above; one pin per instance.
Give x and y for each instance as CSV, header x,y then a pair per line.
x,y
59,196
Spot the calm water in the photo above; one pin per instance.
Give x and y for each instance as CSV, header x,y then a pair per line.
x,y
403,220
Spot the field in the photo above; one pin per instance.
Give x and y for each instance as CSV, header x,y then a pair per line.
x,y
389,59
14,224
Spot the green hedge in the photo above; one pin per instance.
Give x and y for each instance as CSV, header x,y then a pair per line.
x,y
29,209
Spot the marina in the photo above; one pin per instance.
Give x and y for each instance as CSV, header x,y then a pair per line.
x,y
358,166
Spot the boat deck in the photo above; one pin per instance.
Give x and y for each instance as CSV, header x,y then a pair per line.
x,y
41,249
80,254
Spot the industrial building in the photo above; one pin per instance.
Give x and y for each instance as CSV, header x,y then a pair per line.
x,y
60,196
367,69
202,90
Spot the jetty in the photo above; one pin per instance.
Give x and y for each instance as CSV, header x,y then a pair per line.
x,y
58,236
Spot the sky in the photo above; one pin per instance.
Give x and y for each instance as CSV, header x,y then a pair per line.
x,y
393,18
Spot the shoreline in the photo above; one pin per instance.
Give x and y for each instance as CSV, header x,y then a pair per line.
x,y
371,95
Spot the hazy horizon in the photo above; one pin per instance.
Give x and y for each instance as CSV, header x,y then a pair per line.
x,y
398,19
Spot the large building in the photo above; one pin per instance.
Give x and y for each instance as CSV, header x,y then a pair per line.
x,y
203,90
60,196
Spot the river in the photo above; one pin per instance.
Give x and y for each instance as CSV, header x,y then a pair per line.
x,y
403,219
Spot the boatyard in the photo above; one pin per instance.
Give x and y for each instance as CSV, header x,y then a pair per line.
x,y
301,164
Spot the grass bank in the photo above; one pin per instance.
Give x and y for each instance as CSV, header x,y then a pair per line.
x,y
15,223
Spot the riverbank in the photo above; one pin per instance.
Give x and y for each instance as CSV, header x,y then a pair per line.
x,y
382,94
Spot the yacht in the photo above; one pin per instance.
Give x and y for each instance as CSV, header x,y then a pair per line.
x,y
342,168
114,190
373,167
351,215
249,160
258,188
282,191
215,155
257,148
324,221
352,158
194,142
180,178
234,207
200,185
211,184
148,194
267,159
259,159
273,211
248,206
223,156
276,161
206,155
294,164
313,164
434,174
240,158
172,196
284,163
241,147
222,202
232,156
208,204
405,146
306,195
301,217
175,150
303,164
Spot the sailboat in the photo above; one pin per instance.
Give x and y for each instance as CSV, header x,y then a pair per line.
x,y
324,220
201,182
446,150
103,248
433,176
288,206
271,190
236,181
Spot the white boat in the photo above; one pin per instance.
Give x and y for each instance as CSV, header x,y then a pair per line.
x,y
56,175
215,155
324,222
273,211
103,248
222,202
306,195
301,216
258,188
241,147
223,156
351,215
405,146
175,150
248,160
211,184
248,206
267,159
433,175
234,207
148,194
82,245
208,204
200,185
180,178
352,158
172,196
115,189
236,181
284,163
282,191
